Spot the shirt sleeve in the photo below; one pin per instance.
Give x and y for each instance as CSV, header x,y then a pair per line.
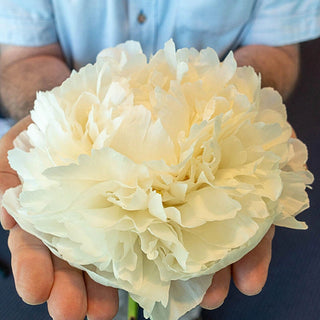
x,y
283,22
27,23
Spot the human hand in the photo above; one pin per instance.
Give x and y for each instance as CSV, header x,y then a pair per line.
x,y
39,275
249,274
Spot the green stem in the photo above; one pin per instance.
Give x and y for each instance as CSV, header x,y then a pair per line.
x,y
132,309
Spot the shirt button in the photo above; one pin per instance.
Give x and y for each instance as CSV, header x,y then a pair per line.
x,y
141,17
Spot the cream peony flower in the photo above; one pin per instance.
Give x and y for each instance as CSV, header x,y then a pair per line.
x,y
153,176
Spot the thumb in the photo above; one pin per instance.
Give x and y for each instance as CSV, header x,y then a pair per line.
x,y
8,177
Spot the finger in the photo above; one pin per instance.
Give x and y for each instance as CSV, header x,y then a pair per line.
x,y
7,180
250,273
218,290
7,221
31,266
102,301
8,177
6,142
68,299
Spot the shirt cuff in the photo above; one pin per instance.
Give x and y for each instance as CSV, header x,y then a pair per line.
x,y
27,32
283,31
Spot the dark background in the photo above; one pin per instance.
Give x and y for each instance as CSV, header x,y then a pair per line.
x,y
293,287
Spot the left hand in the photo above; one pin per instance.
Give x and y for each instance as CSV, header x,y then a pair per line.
x,y
249,274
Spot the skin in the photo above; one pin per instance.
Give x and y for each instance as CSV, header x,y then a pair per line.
x,y
40,276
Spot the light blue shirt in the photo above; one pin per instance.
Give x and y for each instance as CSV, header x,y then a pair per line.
x,y
84,27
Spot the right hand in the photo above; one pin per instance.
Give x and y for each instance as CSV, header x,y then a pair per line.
x,y
39,275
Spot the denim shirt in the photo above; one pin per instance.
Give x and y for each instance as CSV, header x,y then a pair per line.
x,y
83,27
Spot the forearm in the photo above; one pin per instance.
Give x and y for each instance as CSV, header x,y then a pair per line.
x,y
19,82
278,66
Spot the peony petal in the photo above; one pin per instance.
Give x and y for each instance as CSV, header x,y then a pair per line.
x,y
172,111
254,206
112,166
141,139
247,82
156,207
290,222
205,205
184,295
293,198
228,233
127,55
299,157
30,166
